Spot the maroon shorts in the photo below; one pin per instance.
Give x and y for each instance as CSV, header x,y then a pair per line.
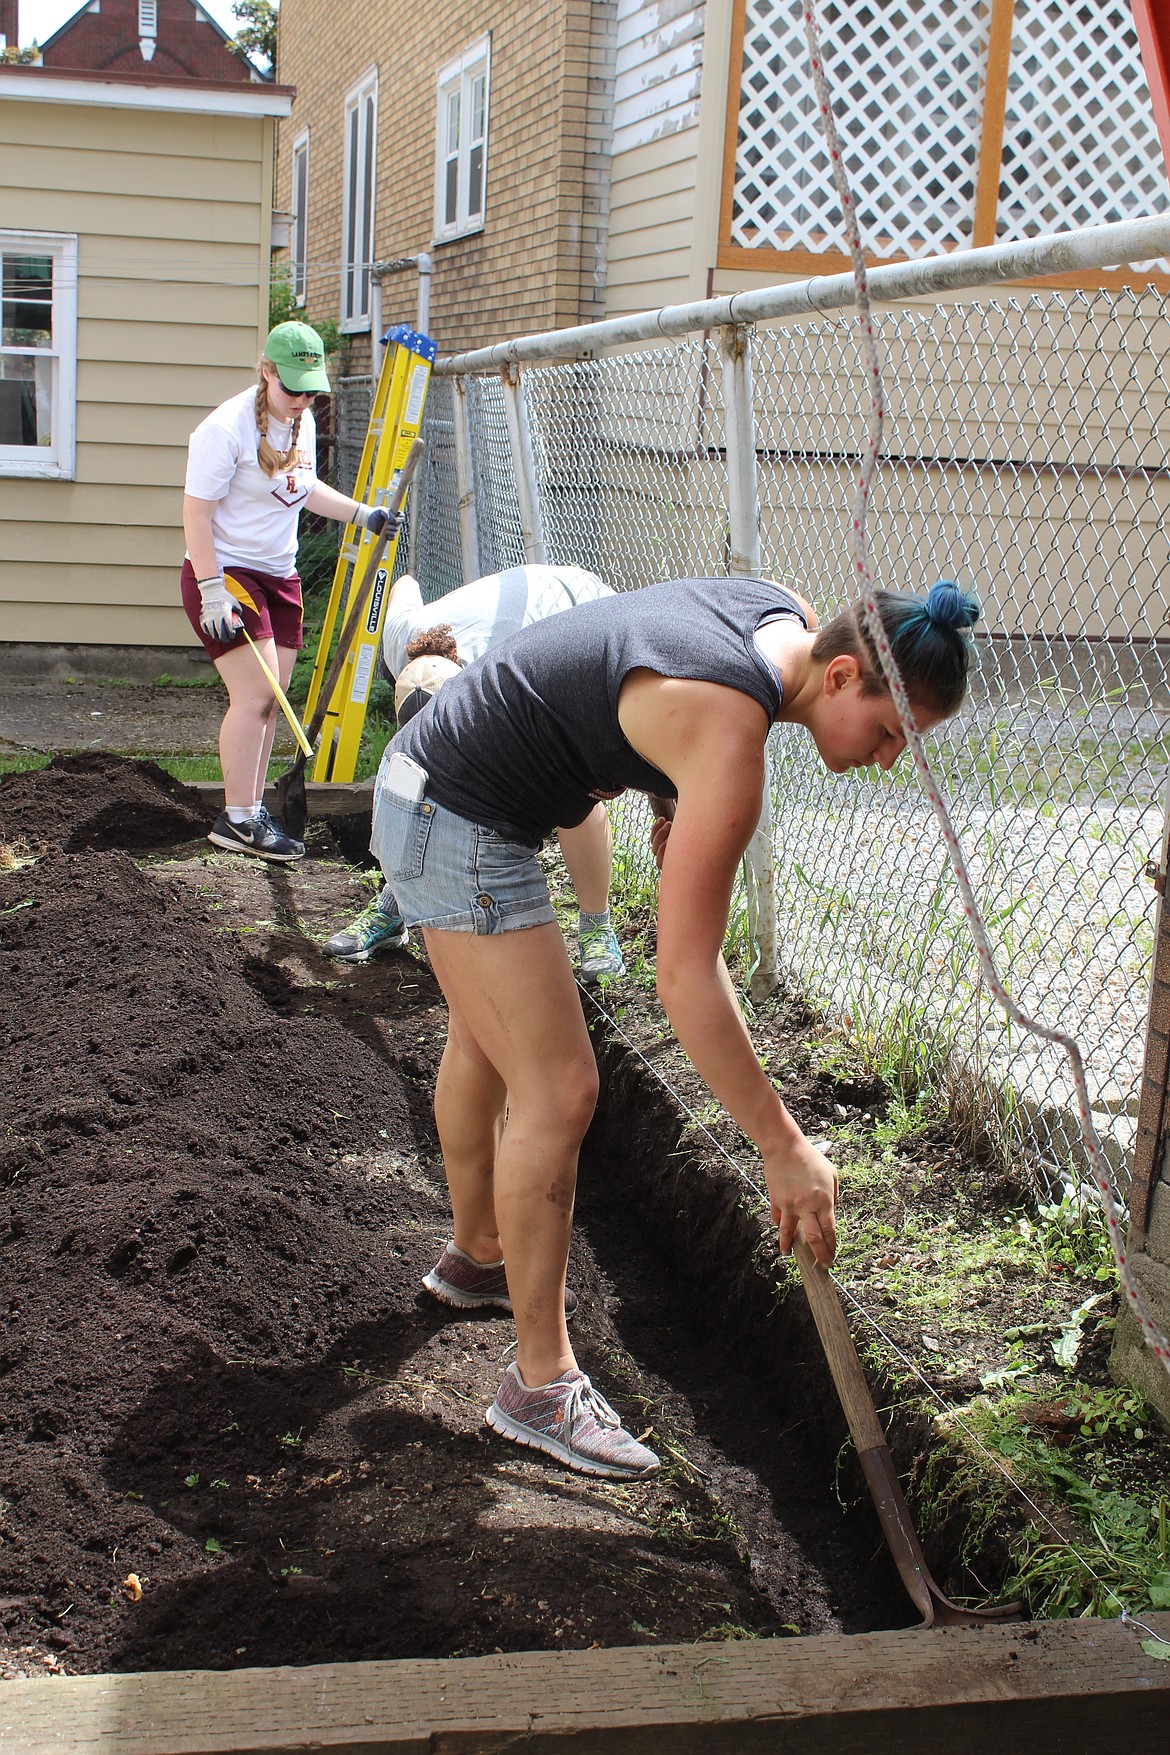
x,y
271,607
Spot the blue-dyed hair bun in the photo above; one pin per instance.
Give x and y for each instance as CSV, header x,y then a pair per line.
x,y
949,607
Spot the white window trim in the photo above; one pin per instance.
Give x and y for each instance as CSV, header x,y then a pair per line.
x,y
457,74
300,220
59,461
357,322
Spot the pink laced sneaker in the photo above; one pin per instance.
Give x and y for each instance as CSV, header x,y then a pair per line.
x,y
570,1420
466,1284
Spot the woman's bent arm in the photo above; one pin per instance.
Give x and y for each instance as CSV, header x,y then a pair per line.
x,y
197,516
710,740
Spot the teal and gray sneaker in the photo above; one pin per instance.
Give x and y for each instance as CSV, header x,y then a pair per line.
x,y
600,953
368,935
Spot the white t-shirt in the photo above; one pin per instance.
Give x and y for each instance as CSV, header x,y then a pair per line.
x,y
256,515
486,611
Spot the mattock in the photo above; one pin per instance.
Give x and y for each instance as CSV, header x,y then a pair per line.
x,y
874,1456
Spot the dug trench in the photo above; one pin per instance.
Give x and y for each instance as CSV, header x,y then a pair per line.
x,y
235,1430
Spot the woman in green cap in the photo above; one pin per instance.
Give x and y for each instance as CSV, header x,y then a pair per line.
x,y
251,467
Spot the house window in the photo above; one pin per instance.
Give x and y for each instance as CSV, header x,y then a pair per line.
x,y
461,143
38,353
361,112
300,228
148,18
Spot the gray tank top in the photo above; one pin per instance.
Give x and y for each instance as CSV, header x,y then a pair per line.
x,y
526,739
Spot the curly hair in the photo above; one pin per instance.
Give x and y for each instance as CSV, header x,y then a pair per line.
x,y
437,642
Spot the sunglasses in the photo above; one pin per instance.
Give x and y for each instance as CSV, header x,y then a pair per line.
x,y
295,393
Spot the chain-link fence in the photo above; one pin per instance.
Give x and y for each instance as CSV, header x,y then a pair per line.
x,y
1024,455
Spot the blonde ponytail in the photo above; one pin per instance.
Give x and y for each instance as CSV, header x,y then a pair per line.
x,y
267,456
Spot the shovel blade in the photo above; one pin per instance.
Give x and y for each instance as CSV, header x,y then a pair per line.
x,y
292,805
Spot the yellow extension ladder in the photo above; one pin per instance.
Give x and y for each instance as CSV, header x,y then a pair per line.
x,y
395,419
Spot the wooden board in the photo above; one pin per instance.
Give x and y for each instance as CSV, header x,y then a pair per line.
x,y
1038,1688
334,798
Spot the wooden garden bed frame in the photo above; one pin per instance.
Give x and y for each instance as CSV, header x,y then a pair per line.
x,y
1032,1688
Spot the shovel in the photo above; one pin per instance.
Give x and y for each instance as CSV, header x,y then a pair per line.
x,y
292,806
873,1453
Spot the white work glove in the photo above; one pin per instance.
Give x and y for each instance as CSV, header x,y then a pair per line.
x,y
219,616
376,518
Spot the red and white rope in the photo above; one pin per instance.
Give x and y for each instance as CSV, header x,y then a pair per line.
x,y
1155,1339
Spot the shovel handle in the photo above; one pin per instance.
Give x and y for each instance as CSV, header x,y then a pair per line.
x,y
841,1354
349,627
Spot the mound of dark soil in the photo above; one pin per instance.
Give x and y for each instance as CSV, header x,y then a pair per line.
x,y
98,801
221,1384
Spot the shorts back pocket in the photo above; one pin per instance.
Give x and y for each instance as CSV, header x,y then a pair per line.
x,y
398,834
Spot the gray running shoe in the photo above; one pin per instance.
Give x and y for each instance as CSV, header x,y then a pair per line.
x,y
259,836
466,1284
600,953
366,936
570,1420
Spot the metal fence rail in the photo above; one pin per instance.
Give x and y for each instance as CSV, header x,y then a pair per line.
x,y
1025,455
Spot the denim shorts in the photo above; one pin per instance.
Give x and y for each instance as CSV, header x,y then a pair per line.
x,y
451,874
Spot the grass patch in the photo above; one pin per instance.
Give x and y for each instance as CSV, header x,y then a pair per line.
x,y
1105,1542
24,761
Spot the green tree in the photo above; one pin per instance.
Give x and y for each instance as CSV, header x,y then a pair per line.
x,y
283,308
256,37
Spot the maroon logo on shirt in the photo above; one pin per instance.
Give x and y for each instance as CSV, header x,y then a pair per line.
x,y
289,493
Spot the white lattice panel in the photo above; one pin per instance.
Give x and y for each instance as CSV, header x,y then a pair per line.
x,y
1080,145
908,83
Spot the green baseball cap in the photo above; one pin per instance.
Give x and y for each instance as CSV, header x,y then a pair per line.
x,y
298,353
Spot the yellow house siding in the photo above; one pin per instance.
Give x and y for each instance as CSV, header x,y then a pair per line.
x,y
172,213
651,220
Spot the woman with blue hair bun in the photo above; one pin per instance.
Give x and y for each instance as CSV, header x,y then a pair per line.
x,y
672,690
921,632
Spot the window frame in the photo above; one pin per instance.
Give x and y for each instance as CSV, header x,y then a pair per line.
x,y
457,77
299,237
359,149
56,462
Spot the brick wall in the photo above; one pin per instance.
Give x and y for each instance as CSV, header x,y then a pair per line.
x,y
187,46
539,262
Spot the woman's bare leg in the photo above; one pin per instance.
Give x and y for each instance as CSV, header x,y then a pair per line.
x,y
512,994
286,659
588,851
245,734
469,1112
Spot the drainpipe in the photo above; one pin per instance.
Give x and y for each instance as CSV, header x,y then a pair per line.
x,y
398,265
375,326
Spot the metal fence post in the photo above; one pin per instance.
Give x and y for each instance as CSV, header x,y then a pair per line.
x,y
523,464
743,519
743,509
465,483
